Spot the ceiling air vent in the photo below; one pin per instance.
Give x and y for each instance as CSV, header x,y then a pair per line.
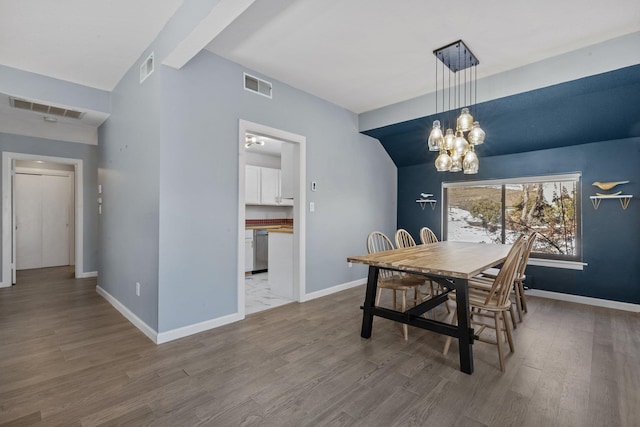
x,y
23,104
256,85
146,68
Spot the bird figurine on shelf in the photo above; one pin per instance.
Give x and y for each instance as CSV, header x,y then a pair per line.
x,y
608,185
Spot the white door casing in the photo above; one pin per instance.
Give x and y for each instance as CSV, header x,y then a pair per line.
x,y
299,204
7,212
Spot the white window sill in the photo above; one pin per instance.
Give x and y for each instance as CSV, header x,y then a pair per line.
x,y
556,263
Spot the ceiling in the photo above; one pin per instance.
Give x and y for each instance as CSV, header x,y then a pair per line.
x,y
92,43
366,54
358,54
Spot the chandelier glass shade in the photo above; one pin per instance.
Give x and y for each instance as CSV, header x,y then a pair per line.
x,y
457,149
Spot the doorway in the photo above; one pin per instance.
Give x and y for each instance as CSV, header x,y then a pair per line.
x,y
66,173
297,151
43,215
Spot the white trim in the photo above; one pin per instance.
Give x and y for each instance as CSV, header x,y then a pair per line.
x,y
333,289
7,157
87,274
128,314
565,177
196,328
299,203
616,305
557,263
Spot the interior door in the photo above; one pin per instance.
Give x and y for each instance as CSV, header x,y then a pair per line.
x,y
55,220
42,220
28,202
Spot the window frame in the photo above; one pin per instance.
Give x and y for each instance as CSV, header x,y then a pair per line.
x,y
536,258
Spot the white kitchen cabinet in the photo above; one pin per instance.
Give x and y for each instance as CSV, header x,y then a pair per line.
x,y
248,250
263,186
252,184
270,191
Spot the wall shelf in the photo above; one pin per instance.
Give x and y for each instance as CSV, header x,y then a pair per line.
x,y
424,199
624,200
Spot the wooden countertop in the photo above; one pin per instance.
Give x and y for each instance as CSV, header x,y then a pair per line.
x,y
285,229
264,227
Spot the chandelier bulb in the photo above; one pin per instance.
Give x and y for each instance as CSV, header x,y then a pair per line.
x,y
449,137
471,162
476,134
456,162
460,145
436,139
443,162
465,120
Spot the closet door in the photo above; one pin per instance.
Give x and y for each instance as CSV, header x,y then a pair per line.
x,y
28,205
42,220
55,220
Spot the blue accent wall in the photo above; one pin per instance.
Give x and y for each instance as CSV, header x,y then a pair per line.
x,y
610,235
591,109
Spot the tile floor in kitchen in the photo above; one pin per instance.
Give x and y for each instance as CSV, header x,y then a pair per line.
x,y
258,296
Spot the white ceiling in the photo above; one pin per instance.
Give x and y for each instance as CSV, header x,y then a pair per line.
x,y
366,54
92,43
359,54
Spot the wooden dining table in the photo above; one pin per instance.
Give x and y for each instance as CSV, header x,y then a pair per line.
x,y
451,264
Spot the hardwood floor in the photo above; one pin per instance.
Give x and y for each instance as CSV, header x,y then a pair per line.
x,y
68,358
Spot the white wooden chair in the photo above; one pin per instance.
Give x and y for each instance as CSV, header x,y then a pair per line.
x,y
518,286
493,304
404,239
427,236
388,279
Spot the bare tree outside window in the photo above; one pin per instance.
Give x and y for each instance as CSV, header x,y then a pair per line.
x,y
500,213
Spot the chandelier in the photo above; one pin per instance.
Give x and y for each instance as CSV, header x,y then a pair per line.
x,y
457,150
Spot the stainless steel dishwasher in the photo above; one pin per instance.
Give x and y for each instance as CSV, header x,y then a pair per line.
x,y
260,250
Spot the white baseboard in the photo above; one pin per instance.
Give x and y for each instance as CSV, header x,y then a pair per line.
x,y
185,331
87,274
333,290
617,305
128,314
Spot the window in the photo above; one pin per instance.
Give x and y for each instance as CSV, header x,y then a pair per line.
x,y
498,211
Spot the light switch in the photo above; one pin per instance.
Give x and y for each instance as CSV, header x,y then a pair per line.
x,y
312,207
314,186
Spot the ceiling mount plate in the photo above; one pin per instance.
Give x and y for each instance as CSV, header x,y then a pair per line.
x,y
456,56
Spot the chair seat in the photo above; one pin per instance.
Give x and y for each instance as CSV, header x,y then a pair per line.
x,y
478,299
493,273
398,283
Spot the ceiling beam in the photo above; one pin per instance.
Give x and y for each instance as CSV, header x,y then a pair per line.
x,y
220,17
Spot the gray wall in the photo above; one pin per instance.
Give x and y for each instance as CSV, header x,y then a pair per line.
x,y
129,159
168,162
88,155
203,103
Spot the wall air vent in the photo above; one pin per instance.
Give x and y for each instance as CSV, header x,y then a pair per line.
x,y
146,68
23,104
256,85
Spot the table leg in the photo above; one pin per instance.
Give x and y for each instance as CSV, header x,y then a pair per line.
x,y
465,338
369,299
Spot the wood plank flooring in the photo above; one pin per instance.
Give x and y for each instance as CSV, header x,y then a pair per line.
x,y
67,358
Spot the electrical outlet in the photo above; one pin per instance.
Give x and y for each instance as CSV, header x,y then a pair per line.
x,y
350,265
312,207
138,288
